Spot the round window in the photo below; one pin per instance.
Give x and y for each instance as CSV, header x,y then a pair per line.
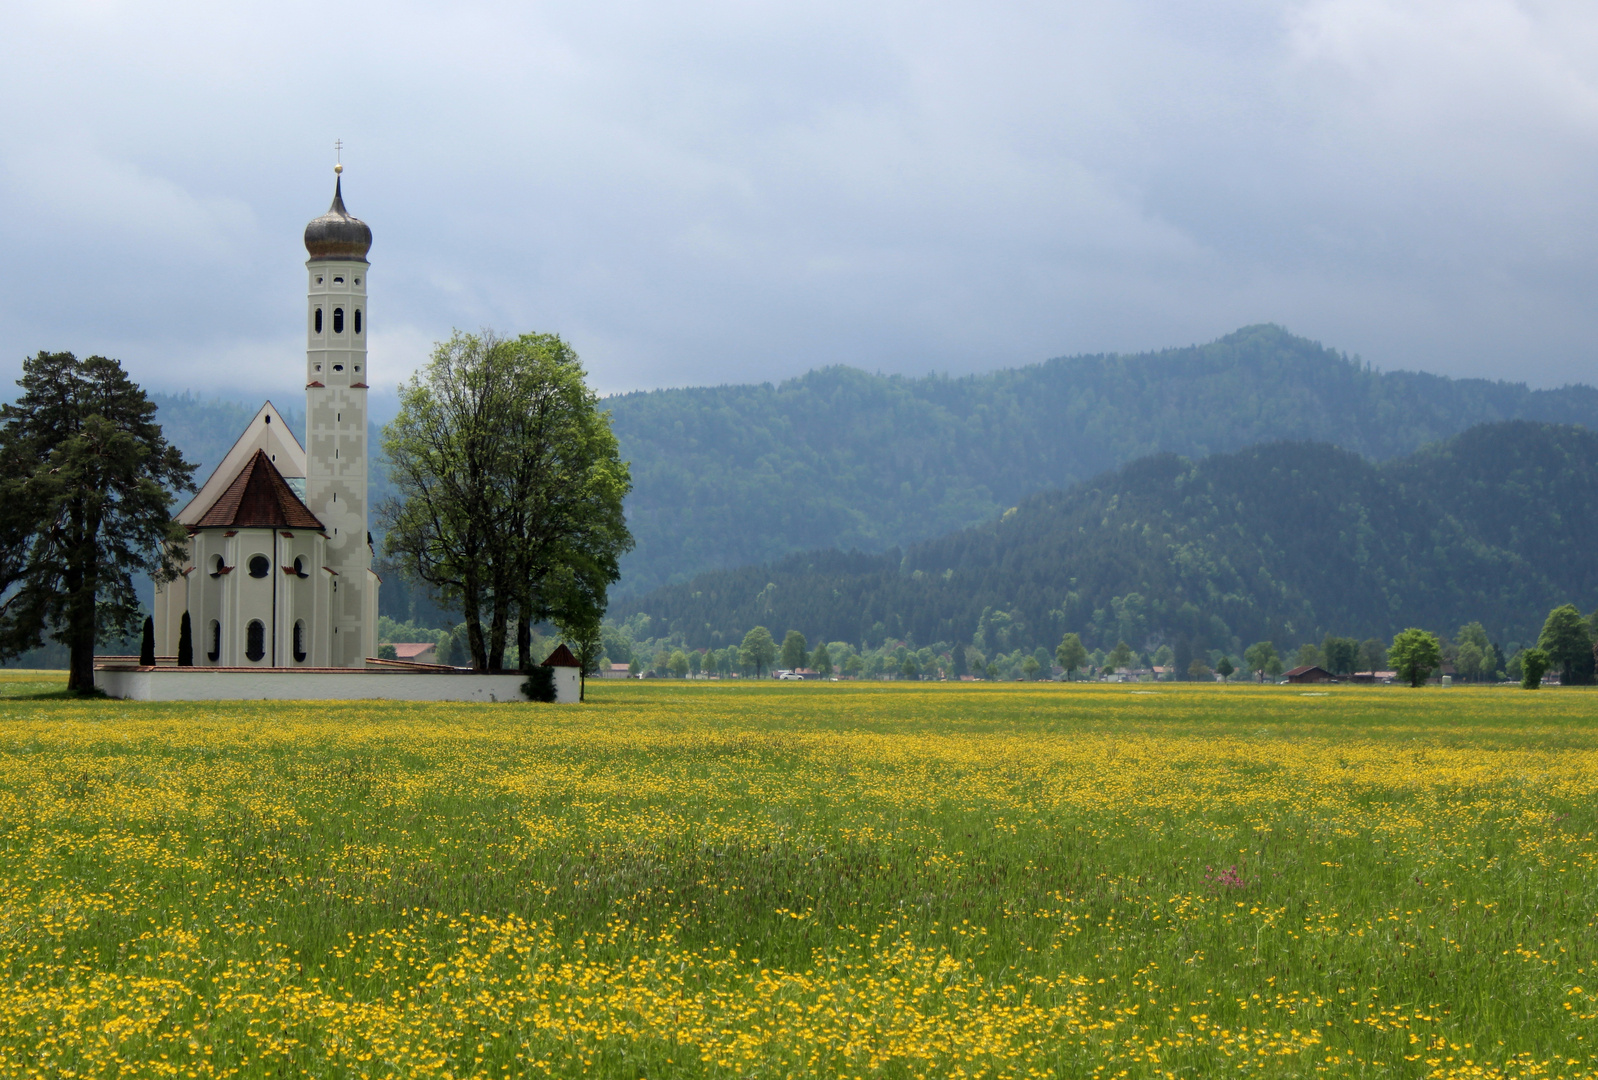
x,y
260,566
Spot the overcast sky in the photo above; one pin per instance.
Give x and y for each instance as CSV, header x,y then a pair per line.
x,y
701,193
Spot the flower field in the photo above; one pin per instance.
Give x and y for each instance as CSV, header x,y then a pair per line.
x,y
862,880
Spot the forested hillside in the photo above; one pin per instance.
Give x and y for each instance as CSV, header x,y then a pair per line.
x,y
1283,541
734,475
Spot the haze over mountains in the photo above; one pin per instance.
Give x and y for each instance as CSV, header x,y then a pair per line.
x,y
729,475
734,476
1281,541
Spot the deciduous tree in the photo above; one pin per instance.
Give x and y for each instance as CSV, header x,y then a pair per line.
x,y
758,650
1567,640
1071,654
1258,656
510,488
1533,663
794,650
1414,655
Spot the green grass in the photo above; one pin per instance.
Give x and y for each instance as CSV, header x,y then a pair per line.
x,y
781,880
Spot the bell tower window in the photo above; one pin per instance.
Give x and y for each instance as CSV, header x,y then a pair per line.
x,y
318,320
338,320
357,320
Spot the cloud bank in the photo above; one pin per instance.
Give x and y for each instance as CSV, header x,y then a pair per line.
x,y
741,191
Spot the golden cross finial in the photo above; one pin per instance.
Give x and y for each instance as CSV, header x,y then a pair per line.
x,y
338,155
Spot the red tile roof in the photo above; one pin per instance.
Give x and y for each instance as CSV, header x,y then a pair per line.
x,y
258,498
562,657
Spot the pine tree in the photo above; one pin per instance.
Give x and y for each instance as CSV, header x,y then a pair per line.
x,y
86,491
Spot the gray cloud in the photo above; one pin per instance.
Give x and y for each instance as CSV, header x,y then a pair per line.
x,y
742,191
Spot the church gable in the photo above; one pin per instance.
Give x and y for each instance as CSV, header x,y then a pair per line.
x,y
258,497
266,432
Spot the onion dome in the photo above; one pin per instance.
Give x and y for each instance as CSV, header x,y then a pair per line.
x,y
337,235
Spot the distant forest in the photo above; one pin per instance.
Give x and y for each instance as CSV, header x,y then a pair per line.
x,y
1284,542
838,458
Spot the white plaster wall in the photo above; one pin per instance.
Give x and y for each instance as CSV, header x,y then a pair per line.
x,y
287,684
280,684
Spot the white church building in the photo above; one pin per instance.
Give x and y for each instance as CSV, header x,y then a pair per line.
x,y
279,572
278,581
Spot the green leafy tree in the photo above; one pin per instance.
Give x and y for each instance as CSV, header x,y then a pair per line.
x,y
1469,660
1340,655
695,663
1030,668
1258,656
957,661
1533,664
86,491
677,665
794,650
1567,640
821,661
1415,654
1198,671
588,645
1372,655
1309,655
1473,633
1273,667
758,650
991,672
1224,668
1070,654
1120,657
509,488
909,668
1495,664
853,665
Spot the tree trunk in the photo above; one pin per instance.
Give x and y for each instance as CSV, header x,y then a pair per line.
x,y
80,584
471,610
497,626
524,639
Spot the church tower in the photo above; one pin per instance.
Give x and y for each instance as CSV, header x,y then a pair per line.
x,y
336,325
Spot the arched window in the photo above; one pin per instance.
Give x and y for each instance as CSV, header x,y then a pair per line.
x,y
217,566
260,566
215,652
318,320
299,641
255,640
299,567
338,320
357,320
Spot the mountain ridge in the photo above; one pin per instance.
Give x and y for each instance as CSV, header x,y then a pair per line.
x,y
742,474
1281,541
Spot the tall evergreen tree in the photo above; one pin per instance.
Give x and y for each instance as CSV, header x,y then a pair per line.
x,y
86,491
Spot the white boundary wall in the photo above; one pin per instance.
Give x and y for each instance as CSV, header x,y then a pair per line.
x,y
289,684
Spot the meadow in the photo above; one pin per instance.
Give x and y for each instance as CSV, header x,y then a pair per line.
x,y
861,880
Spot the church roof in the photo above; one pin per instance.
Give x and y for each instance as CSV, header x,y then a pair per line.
x,y
258,498
267,431
562,657
336,234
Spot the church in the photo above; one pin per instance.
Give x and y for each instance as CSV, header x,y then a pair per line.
x,y
278,572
